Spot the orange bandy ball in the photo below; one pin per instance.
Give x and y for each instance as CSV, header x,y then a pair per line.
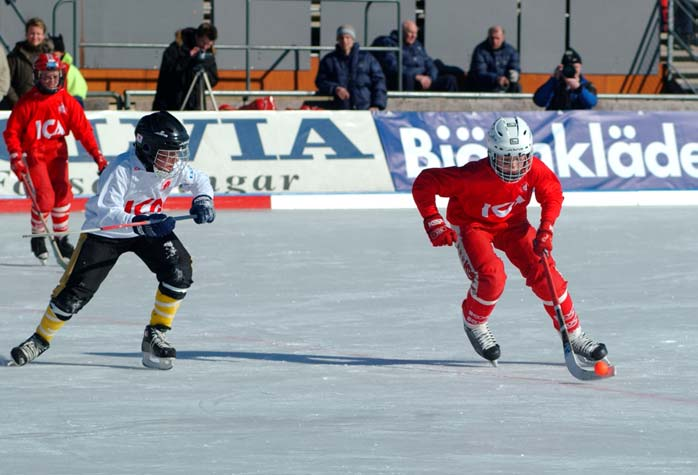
x,y
601,368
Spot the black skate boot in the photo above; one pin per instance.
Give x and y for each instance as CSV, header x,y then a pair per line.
x,y
29,350
158,353
483,342
585,347
65,247
39,248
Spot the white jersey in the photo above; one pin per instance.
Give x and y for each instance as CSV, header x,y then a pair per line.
x,y
125,189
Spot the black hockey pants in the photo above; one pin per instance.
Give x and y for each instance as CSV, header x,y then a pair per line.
x,y
95,256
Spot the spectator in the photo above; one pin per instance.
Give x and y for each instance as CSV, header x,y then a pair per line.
x,y
419,72
75,83
353,77
21,61
567,88
35,139
4,74
192,51
494,66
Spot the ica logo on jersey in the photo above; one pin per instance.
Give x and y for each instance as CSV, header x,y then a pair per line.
x,y
501,210
48,129
143,207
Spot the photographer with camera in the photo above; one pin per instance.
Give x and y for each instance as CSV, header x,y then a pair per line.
x,y
567,88
191,52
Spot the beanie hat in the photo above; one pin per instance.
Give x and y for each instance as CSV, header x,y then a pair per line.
x,y
570,57
58,43
346,30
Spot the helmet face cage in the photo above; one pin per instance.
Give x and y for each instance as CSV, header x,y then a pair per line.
x,y
510,148
168,163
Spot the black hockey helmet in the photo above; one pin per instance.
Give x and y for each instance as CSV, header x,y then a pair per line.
x,y
162,143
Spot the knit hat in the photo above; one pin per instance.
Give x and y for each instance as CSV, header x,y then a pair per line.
x,y
570,57
58,43
346,30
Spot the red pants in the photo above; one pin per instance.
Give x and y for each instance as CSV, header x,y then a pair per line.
x,y
54,194
476,248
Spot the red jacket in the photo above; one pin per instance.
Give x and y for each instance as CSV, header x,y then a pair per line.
x,y
39,123
478,195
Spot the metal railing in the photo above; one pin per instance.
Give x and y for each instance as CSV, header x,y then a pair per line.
x,y
75,27
118,99
129,95
674,39
285,49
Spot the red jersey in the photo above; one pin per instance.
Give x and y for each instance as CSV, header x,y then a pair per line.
x,y
478,195
39,123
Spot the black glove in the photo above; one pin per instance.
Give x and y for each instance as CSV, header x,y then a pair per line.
x,y
160,225
202,209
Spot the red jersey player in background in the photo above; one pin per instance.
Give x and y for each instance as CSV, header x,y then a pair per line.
x,y
487,210
36,129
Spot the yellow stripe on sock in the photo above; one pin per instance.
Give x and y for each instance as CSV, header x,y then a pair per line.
x,y
164,310
49,325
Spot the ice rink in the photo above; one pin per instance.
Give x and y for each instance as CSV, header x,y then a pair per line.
x,y
330,342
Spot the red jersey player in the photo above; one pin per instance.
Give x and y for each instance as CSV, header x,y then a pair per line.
x,y
487,210
36,129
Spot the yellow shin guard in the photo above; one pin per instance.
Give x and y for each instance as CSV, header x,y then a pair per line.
x,y
50,324
164,310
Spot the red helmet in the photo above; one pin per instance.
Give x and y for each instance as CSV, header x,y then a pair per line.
x,y
48,62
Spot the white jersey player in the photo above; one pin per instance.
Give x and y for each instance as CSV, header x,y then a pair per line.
x,y
133,189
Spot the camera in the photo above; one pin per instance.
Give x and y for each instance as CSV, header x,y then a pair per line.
x,y
569,71
203,55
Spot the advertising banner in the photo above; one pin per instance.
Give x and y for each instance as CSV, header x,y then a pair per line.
x,y
589,151
248,151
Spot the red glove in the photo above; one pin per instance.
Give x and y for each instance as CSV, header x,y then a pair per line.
x,y
439,233
17,166
101,163
544,238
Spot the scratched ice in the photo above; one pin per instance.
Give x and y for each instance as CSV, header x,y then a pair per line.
x,y
329,342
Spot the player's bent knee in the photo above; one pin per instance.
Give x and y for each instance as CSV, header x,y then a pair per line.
x,y
176,291
64,307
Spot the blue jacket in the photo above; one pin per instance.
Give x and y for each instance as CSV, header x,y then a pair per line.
x,y
554,95
359,73
415,59
487,65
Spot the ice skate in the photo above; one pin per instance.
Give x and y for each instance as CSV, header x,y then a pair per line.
x,y
158,353
29,350
38,245
483,342
585,347
65,247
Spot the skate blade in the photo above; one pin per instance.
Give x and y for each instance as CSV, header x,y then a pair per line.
x,y
494,364
150,361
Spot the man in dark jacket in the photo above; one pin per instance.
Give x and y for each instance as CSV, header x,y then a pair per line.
x,y
21,61
419,73
191,52
494,66
353,77
567,88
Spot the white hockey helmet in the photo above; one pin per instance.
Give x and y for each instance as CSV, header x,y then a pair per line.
x,y
510,148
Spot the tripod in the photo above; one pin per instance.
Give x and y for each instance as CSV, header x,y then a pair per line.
x,y
200,77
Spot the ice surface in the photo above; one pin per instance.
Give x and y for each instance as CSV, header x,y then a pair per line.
x,y
330,342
